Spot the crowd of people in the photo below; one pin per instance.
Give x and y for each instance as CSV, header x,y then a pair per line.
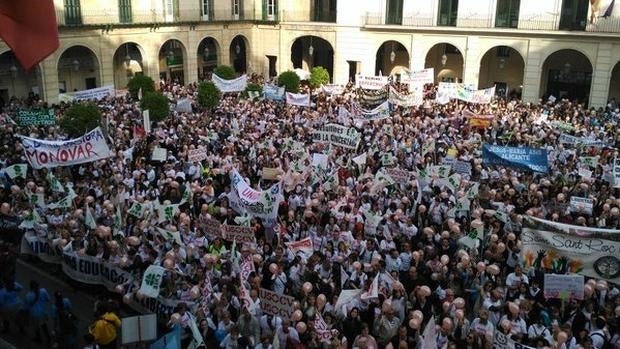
x,y
399,243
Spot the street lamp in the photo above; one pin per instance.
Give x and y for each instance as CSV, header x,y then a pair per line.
x,y
13,70
205,53
237,48
392,54
567,67
311,48
502,62
127,56
76,64
444,59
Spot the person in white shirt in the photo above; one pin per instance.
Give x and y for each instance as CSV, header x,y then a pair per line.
x,y
515,279
482,326
286,332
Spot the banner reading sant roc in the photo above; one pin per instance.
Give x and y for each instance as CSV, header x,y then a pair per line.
x,y
563,253
276,304
47,154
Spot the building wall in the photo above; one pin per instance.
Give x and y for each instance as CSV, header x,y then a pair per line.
x,y
354,38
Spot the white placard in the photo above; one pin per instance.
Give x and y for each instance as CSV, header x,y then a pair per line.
x,y
137,329
371,82
564,286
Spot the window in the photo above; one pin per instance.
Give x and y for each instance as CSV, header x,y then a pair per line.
x,y
207,10
237,9
324,10
448,10
394,12
507,14
270,10
171,10
503,51
73,13
124,11
574,15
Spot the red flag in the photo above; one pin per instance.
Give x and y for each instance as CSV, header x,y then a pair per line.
x,y
29,28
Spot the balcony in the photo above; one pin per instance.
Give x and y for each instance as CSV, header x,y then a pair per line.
x,y
307,16
113,17
408,21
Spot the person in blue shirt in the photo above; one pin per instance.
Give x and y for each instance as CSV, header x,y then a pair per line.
x,y
64,322
37,302
10,303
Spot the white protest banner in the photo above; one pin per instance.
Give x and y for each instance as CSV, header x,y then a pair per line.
x,y
589,161
420,77
196,155
584,205
276,304
616,172
42,248
46,154
247,267
332,89
184,105
302,100
146,121
273,92
304,246
413,99
371,82
95,93
163,307
574,229
482,96
585,173
92,270
323,332
263,204
563,253
361,159
234,85
588,142
151,281
347,297
379,113
564,286
429,335
445,92
17,170
338,135
503,341
159,154
320,161
399,176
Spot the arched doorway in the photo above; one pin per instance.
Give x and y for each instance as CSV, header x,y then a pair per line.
x,y
239,54
502,67
78,69
172,57
208,56
614,84
392,58
567,74
447,61
16,82
309,51
127,63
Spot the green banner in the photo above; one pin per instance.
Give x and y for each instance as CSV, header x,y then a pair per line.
x,y
173,61
36,117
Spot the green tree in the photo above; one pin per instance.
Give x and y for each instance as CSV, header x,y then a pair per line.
x,y
80,118
254,88
318,76
140,82
290,81
157,105
208,95
225,72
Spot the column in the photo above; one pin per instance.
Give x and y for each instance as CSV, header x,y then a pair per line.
x,y
106,64
417,54
532,72
601,75
50,79
471,68
192,57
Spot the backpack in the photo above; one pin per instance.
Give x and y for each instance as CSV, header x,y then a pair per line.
x,y
606,343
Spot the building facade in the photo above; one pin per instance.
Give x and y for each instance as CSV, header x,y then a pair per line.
x,y
528,48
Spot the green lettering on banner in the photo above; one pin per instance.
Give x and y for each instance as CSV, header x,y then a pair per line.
x,y
36,117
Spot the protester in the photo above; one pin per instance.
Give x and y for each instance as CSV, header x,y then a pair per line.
x,y
422,214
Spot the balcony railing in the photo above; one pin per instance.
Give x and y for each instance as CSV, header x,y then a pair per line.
x,y
113,17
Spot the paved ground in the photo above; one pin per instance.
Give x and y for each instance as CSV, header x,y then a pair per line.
x,y
50,277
